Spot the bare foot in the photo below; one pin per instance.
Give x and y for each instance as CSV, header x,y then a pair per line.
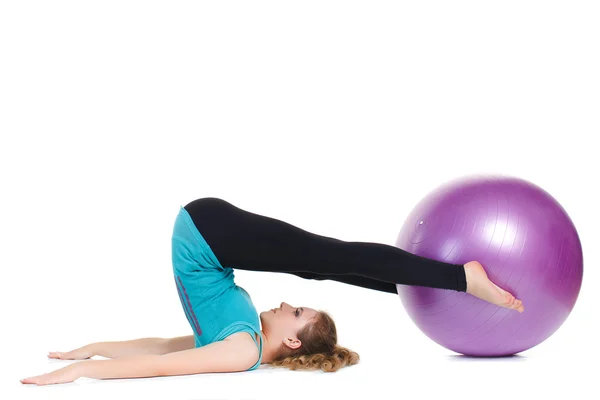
x,y
479,285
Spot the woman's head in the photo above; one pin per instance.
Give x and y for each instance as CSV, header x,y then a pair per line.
x,y
307,337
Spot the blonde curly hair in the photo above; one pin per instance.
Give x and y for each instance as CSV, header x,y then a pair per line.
x,y
319,349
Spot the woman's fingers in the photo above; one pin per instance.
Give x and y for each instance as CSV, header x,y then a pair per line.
x,y
78,354
62,355
57,354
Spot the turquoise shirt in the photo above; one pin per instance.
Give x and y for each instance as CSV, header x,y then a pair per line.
x,y
213,304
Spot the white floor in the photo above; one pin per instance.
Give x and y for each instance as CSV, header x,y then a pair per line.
x,y
396,360
557,370
335,116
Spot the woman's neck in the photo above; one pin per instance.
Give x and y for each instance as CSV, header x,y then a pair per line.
x,y
268,350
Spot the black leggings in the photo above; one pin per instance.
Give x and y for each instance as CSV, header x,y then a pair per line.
x,y
248,241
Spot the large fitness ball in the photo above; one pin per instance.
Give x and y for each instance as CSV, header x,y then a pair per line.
x,y
527,244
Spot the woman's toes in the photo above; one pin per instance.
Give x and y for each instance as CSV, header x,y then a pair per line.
x,y
508,299
519,306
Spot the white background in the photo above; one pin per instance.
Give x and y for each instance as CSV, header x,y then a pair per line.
x,y
337,117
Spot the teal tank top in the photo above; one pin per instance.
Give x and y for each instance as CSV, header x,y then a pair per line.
x,y
213,304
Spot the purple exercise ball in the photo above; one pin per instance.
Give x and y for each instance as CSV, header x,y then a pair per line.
x,y
528,246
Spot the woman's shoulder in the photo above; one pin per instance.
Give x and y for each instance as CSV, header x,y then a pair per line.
x,y
244,345
243,336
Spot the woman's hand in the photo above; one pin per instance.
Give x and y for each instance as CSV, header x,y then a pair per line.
x,y
63,375
81,353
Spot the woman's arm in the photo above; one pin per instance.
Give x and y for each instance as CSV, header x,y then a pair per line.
x,y
126,348
236,353
179,343
157,346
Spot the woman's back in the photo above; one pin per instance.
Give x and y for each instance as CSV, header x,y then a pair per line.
x,y
214,305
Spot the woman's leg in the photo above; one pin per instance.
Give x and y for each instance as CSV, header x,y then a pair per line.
x,y
355,280
249,241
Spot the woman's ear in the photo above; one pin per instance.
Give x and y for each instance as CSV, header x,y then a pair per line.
x,y
292,343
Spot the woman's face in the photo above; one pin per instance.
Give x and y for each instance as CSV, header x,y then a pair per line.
x,y
284,322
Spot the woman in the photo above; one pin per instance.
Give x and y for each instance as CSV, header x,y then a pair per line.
x,y
211,237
